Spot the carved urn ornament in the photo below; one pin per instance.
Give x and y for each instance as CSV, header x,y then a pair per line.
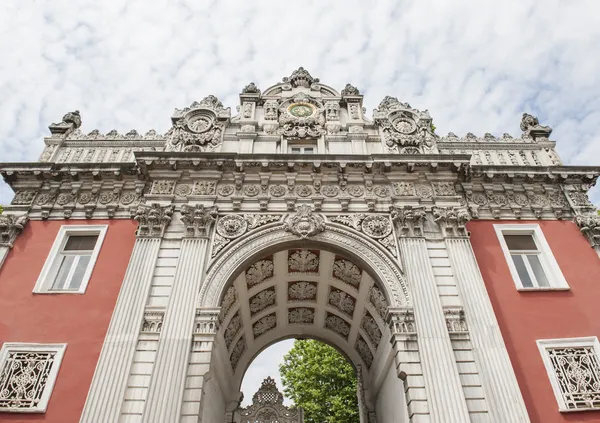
x,y
304,223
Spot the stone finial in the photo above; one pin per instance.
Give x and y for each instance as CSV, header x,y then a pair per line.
x,y
411,220
197,220
300,78
589,225
304,223
70,122
10,226
251,88
153,220
530,125
350,90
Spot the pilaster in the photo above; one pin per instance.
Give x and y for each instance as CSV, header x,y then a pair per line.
x,y
446,401
106,393
176,337
498,378
10,226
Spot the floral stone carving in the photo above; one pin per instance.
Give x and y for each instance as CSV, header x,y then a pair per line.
x,y
10,227
301,315
303,261
153,219
347,272
197,220
304,223
259,272
338,325
262,300
302,291
264,324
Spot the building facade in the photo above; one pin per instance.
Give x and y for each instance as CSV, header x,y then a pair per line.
x,y
141,274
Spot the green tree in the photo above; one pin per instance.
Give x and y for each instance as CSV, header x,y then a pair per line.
x,y
321,381
1,209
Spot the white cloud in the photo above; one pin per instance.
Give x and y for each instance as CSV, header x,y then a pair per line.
x,y
127,64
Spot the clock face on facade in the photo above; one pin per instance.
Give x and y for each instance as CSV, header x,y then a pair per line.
x,y
301,110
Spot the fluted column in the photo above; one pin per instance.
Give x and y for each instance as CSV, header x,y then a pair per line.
x,y
445,395
10,226
108,386
165,394
503,396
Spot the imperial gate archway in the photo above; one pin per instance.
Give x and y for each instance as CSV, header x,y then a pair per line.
x,y
326,287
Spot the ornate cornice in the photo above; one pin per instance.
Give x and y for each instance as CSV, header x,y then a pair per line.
x,y
10,226
197,219
153,220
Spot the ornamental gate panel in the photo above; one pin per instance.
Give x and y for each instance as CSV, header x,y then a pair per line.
x,y
267,407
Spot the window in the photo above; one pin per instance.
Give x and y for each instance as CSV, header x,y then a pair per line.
x,y
302,149
71,260
27,376
573,366
530,260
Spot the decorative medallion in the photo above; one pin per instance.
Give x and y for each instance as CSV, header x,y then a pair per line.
x,y
251,190
106,197
376,226
200,124
303,261
347,272
355,190
330,190
304,190
85,197
183,190
264,324
521,199
64,198
444,188
302,291
304,223
381,191
262,300
338,325
479,198
301,315
232,226
301,110
424,191
404,188
226,190
128,197
342,301
404,126
277,190
259,272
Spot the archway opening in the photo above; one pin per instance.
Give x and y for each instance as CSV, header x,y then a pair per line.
x,y
307,291
302,373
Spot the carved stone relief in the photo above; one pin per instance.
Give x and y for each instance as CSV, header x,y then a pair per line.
x,y
259,272
302,291
262,300
303,261
338,325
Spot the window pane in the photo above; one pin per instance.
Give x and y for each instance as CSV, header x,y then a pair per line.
x,y
522,270
296,150
79,272
81,243
538,271
308,150
63,272
520,242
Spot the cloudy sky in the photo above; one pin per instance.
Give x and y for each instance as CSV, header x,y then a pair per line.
x,y
476,65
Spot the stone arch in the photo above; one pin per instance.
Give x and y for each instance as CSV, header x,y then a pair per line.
x,y
360,333
369,254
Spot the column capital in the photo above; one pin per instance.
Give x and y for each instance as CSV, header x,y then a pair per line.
x,y
206,321
452,220
197,219
153,220
10,226
589,225
401,321
410,219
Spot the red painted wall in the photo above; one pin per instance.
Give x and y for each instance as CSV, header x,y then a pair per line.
x,y
79,320
525,317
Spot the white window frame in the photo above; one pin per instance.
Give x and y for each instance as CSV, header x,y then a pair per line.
x,y
302,147
545,344
44,282
549,264
59,349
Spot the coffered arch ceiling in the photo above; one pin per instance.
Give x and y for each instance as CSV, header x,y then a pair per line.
x,y
304,292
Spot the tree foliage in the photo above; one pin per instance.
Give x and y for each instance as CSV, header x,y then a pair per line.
x,y
321,381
